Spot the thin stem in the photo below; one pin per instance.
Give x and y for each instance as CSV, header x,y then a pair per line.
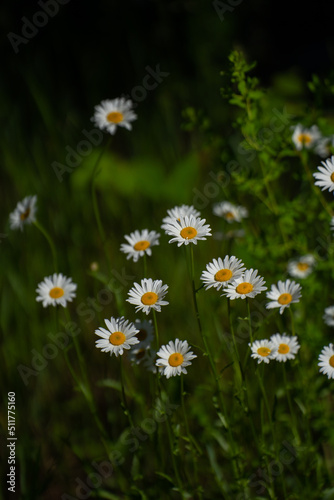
x,y
124,402
249,321
156,329
292,322
50,242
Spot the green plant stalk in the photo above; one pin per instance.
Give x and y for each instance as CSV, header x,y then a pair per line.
x,y
192,440
124,402
50,242
211,361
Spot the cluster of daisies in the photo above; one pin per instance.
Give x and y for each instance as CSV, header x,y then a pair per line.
x,y
185,226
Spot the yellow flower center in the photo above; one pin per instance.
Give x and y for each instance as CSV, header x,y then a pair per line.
x,y
285,298
244,288
25,214
283,348
229,215
223,275
304,139
175,359
331,361
117,338
188,233
302,266
149,298
115,117
141,335
141,245
332,177
56,292
264,351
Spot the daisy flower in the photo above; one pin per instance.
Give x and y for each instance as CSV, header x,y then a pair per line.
x,y
121,334
174,357
24,213
140,243
145,333
325,176
111,114
304,137
229,212
247,285
283,294
177,212
56,289
326,361
301,267
285,347
189,229
220,272
148,295
263,350
328,317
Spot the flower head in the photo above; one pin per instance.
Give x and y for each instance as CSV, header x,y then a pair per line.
x,y
323,146
325,176
285,347
121,334
143,357
174,357
283,294
140,243
229,212
189,229
24,213
145,333
301,267
304,137
111,114
328,317
148,295
263,350
220,272
248,285
175,214
326,361
56,289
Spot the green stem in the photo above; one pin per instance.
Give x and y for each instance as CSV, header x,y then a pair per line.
x,y
249,321
156,329
50,242
124,402
292,323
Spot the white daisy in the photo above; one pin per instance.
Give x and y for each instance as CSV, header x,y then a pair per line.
x,y
328,317
285,347
140,243
231,213
247,285
174,357
189,229
304,137
177,212
56,289
263,350
24,213
325,176
112,113
283,294
121,334
220,272
145,333
301,267
149,295
326,361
